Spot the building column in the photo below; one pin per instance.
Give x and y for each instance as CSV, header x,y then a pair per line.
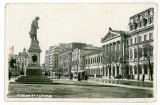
x,y
133,71
129,70
112,70
133,53
116,51
142,69
104,70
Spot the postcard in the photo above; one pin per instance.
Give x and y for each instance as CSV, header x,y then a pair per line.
x,y
80,52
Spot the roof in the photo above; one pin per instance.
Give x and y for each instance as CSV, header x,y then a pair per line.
x,y
92,53
116,33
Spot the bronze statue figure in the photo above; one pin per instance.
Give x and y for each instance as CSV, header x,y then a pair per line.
x,y
34,27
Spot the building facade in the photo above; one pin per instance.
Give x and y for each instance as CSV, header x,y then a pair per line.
x,y
78,57
130,53
51,57
21,63
141,31
46,62
94,64
65,57
114,53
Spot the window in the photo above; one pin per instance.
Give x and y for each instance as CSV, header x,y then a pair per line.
x,y
145,37
150,36
135,69
131,54
151,51
151,19
140,52
145,69
135,53
135,40
140,38
130,41
127,42
91,60
140,69
127,54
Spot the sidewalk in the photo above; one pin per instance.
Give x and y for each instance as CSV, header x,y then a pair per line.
x,y
124,82
97,83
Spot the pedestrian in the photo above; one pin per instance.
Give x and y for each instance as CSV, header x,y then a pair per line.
x,y
71,76
79,76
59,75
83,74
10,74
86,76
143,76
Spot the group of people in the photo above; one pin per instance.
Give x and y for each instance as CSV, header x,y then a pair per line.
x,y
81,76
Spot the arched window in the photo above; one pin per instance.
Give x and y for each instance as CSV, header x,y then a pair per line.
x,y
135,53
140,69
145,69
135,69
131,70
131,54
140,52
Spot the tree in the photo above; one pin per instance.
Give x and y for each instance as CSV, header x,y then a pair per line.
x,y
12,63
148,54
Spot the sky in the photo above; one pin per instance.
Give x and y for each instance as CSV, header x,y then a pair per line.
x,y
65,23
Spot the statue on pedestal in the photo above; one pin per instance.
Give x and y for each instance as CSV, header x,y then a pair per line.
x,y
33,31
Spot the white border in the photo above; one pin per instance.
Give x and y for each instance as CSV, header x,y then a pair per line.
x,y
2,10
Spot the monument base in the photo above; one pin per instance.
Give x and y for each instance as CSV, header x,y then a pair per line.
x,y
33,70
34,80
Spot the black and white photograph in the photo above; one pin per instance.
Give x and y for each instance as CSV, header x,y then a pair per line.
x,y
80,52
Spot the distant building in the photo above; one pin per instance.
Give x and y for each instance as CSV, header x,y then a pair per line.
x,y
94,64
65,57
51,57
21,63
46,62
78,57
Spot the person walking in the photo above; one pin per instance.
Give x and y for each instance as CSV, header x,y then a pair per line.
x,y
143,76
10,74
86,76
59,75
71,76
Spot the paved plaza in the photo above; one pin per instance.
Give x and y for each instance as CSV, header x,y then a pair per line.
x,y
64,88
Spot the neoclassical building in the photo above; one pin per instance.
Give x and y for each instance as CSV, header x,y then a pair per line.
x,y
94,64
141,31
130,53
114,53
79,56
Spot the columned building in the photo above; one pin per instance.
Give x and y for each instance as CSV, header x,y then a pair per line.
x,y
141,32
94,64
79,56
114,53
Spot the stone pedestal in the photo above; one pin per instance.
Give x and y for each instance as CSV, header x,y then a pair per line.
x,y
34,70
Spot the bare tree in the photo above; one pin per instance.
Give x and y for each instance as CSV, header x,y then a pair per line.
x,y
148,54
